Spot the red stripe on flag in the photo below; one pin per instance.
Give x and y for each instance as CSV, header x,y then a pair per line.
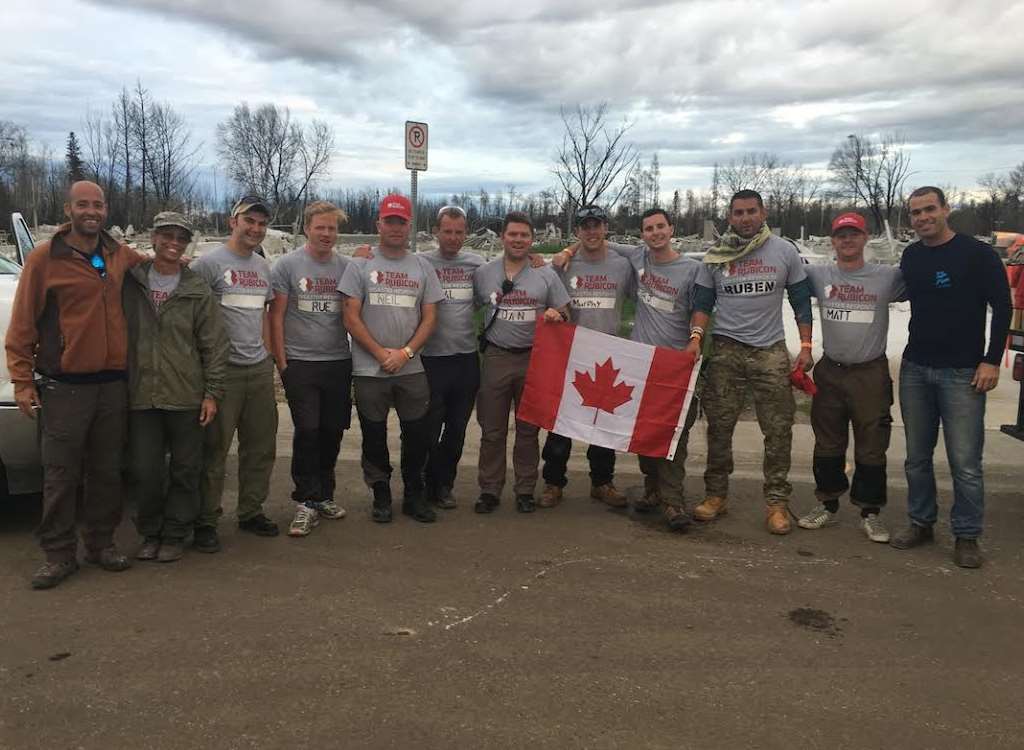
x,y
545,378
662,402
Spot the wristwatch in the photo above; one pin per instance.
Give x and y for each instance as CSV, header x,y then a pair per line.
x,y
408,352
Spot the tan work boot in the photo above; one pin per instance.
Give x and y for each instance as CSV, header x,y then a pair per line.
x,y
551,496
609,495
778,518
712,507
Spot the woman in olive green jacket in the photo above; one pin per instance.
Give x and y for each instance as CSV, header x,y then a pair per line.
x,y
177,354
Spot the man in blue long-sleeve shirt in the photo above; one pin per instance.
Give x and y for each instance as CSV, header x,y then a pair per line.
x,y
951,279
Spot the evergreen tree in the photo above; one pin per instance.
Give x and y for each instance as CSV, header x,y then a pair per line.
x,y
76,168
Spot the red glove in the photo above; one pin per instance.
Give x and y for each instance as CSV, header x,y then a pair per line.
x,y
802,381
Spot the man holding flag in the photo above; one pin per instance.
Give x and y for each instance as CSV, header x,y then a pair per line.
x,y
597,284
674,301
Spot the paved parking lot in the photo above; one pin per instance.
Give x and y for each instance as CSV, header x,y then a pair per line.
x,y
577,627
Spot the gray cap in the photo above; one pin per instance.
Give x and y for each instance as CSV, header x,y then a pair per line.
x,y
172,219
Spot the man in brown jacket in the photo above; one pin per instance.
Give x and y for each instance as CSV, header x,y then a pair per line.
x,y
67,324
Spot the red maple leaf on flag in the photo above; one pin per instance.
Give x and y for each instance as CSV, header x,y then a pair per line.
x,y
602,392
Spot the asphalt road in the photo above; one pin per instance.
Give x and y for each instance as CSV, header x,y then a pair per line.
x,y
577,627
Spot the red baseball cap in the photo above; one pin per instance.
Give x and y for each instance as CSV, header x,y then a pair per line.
x,y
396,205
855,221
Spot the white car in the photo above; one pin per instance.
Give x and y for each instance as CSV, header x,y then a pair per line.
x,y
20,467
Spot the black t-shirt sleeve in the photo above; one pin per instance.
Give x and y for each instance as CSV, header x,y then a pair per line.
x,y
997,294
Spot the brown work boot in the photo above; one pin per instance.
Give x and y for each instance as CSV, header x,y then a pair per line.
x,y
650,501
609,495
551,496
712,507
778,517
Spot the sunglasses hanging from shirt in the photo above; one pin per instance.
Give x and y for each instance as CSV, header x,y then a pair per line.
x,y
506,287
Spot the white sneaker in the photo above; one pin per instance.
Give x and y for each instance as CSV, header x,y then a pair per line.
x,y
818,517
306,519
330,509
875,529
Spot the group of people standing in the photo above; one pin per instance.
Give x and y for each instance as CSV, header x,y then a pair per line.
x,y
104,340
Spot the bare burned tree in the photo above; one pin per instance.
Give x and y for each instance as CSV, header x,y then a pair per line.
x,y
872,172
264,152
172,156
594,158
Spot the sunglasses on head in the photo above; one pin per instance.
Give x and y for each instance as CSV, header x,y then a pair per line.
x,y
449,210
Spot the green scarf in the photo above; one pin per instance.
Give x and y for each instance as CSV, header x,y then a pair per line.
x,y
733,247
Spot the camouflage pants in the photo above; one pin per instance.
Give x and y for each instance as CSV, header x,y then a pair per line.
x,y
732,370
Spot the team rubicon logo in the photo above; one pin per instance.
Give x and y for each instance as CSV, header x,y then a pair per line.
x,y
574,282
230,277
375,277
305,284
494,298
831,292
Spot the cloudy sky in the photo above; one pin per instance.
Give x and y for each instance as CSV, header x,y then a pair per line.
x,y
702,81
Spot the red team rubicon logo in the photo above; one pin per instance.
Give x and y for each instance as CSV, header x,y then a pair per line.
x,y
375,277
305,284
230,277
601,391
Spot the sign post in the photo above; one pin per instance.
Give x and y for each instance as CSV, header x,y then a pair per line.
x,y
415,161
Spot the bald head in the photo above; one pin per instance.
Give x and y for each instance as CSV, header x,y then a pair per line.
x,y
86,208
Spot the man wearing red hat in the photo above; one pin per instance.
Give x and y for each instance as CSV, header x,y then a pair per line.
x,y
853,380
390,310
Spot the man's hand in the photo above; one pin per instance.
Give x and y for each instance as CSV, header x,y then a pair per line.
x,y
207,411
694,348
551,315
27,398
363,251
394,361
986,377
536,260
804,361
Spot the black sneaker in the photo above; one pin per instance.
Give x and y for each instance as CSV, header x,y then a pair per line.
x,y
966,553
108,558
525,503
205,539
381,512
50,574
259,525
913,536
419,509
444,498
486,503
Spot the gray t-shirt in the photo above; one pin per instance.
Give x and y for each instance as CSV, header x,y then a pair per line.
x,y
750,293
597,290
664,296
393,293
313,327
456,329
161,286
534,290
242,287
854,308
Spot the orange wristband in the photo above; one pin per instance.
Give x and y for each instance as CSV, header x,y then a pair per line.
x,y
806,345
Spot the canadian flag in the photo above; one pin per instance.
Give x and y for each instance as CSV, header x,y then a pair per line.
x,y
608,391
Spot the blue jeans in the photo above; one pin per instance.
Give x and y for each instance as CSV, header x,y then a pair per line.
x,y
928,395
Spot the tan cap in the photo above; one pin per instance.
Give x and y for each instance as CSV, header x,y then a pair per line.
x,y
172,219
248,203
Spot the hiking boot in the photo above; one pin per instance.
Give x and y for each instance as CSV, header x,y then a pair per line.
x,y
419,509
171,551
486,503
329,509
818,517
259,525
525,504
381,511
108,558
676,517
444,498
712,507
551,496
609,495
49,574
913,536
966,553
650,501
306,519
874,528
149,550
205,539
777,518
